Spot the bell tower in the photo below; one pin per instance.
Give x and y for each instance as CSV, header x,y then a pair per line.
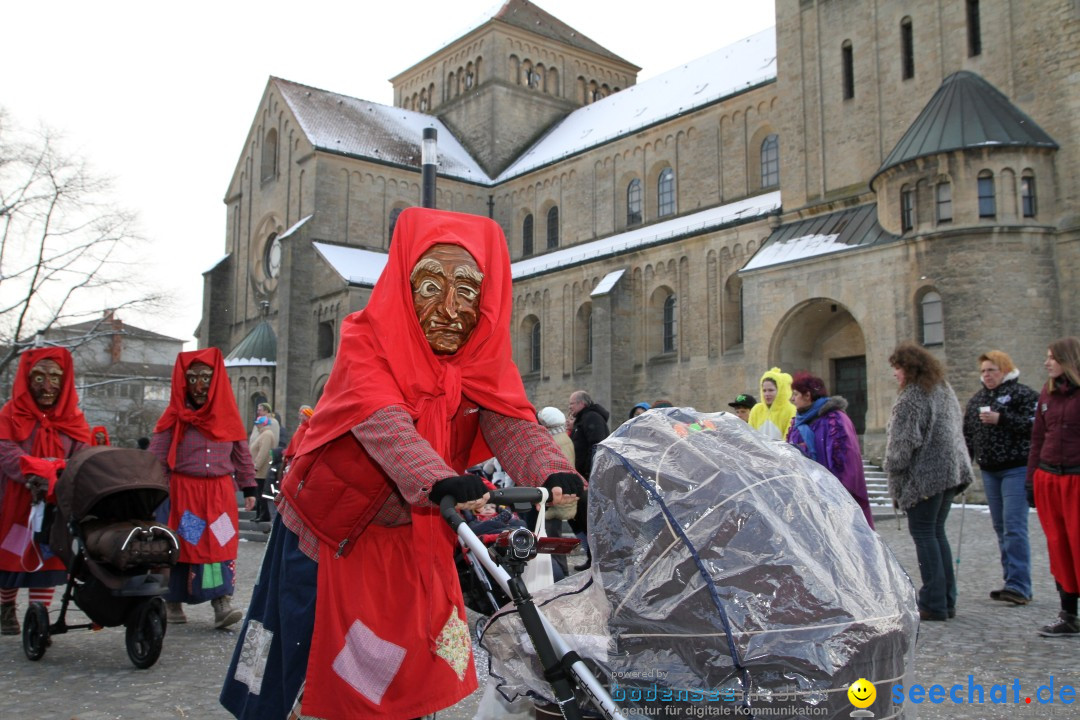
x,y
500,86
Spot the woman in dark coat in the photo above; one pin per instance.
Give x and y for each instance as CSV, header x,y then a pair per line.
x,y
997,429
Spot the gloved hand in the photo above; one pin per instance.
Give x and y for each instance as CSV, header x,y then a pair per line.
x,y
38,487
463,488
570,483
1029,488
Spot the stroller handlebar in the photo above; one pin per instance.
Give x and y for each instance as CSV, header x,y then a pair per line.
x,y
520,498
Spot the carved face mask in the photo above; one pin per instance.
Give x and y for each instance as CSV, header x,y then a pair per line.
x,y
446,296
46,379
198,378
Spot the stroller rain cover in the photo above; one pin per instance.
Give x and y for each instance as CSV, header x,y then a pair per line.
x,y
731,576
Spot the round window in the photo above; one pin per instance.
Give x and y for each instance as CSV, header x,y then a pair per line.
x,y
273,256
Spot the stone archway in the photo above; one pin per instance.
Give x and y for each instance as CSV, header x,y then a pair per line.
x,y
823,337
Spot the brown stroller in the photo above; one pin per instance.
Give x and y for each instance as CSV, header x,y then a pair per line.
x,y
116,554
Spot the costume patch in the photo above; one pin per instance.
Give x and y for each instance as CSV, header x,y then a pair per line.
x,y
454,645
367,662
17,539
223,529
253,654
211,576
191,527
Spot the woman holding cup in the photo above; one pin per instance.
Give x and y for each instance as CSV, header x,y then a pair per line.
x,y
997,429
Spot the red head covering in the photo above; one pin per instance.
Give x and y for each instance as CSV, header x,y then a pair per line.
x,y
385,359
20,414
93,435
218,419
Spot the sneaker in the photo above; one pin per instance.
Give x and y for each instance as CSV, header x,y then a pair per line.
x,y
1067,626
9,619
174,613
927,616
1007,595
995,594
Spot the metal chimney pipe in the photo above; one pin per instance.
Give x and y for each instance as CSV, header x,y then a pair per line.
x,y
429,158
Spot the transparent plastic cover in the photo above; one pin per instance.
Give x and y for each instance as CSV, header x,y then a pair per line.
x,y
730,576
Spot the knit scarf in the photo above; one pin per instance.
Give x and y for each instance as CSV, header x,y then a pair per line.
x,y
803,418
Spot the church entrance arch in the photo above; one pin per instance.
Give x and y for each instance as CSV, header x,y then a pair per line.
x,y
823,337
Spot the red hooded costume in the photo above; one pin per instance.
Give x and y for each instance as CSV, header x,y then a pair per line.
x,y
395,643
56,432
218,420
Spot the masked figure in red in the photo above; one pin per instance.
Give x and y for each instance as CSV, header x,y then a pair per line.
x,y
99,435
202,443
423,386
42,420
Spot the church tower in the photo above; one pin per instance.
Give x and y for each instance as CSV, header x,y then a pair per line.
x,y
503,84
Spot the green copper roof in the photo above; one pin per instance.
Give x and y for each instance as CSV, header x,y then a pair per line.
x,y
966,112
258,348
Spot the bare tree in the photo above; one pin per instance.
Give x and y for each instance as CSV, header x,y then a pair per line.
x,y
65,246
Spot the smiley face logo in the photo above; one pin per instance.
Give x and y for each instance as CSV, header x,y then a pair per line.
x,y
862,693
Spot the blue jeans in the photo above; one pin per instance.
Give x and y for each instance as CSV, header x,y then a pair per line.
x,y
1009,514
926,523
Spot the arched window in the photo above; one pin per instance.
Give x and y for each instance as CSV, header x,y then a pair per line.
x,y
553,227
973,28
325,343
943,196
583,341
633,202
987,198
665,193
533,360
907,49
907,208
527,236
393,223
770,161
269,155
933,319
669,325
1028,202
847,60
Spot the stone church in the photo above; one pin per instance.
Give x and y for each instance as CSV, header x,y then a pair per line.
x,y
864,173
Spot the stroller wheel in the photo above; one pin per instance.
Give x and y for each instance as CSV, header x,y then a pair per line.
x,y
35,633
145,633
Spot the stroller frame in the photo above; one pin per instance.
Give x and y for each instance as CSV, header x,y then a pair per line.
x,y
563,668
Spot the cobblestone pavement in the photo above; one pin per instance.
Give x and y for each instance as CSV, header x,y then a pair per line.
x,y
87,675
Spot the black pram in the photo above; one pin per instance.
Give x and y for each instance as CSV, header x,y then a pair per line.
x,y
116,554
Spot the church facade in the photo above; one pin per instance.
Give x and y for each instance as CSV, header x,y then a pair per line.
x,y
860,175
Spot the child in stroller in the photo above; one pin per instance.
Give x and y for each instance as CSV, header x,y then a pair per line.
x,y
117,556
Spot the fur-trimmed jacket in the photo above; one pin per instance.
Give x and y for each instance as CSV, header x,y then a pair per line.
x,y
925,452
1007,444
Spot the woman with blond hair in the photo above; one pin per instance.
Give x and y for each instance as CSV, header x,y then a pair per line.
x,y
997,429
1053,470
927,464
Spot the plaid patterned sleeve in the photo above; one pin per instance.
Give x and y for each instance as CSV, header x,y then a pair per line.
x,y
392,441
526,450
243,466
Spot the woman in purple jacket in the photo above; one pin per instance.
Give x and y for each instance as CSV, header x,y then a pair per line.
x,y
823,432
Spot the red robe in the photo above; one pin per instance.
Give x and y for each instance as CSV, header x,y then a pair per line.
x,y
57,432
391,638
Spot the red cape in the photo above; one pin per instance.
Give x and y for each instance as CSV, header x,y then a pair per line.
x,y
218,419
385,359
20,414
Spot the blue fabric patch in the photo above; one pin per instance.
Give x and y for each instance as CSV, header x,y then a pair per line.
x,y
191,527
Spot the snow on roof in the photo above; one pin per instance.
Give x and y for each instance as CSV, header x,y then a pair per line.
x,y
355,266
740,210
217,262
798,248
732,69
360,128
604,286
296,226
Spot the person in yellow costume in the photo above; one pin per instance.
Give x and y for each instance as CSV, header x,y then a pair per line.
x,y
772,416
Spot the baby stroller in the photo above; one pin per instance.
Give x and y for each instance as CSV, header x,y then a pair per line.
x,y
731,576
117,556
